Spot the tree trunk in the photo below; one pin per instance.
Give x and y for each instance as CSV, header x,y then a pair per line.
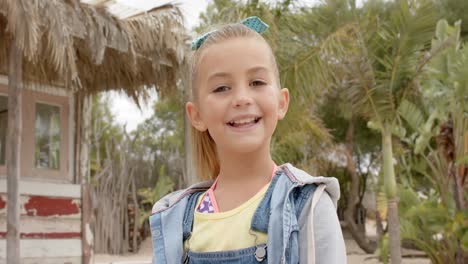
x,y
462,255
455,150
86,208
13,153
452,143
136,215
379,230
190,176
459,202
360,237
392,198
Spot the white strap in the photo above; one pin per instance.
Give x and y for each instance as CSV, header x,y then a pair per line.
x,y
310,234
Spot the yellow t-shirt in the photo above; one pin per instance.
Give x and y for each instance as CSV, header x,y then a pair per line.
x,y
228,230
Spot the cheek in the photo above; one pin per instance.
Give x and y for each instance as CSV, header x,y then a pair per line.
x,y
270,103
211,112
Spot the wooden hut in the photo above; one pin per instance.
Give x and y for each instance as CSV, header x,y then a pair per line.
x,y
53,55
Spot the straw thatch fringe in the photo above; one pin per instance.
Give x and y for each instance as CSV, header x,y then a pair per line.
x,y
83,47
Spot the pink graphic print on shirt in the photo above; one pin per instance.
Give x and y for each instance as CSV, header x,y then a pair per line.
x,y
208,205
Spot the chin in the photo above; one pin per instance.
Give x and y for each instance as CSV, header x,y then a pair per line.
x,y
246,146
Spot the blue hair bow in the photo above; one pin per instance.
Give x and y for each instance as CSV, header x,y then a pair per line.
x,y
253,22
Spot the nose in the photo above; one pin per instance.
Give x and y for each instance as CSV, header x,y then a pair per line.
x,y
242,97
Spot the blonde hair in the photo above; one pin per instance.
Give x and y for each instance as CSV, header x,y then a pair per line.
x,y
203,146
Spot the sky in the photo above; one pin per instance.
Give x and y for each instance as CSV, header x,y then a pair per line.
x,y
123,108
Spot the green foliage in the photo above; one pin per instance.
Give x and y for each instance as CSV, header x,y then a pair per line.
x,y
375,60
446,82
395,51
432,226
429,218
462,160
104,129
384,249
422,125
160,144
338,114
153,153
160,139
164,129
453,11
163,186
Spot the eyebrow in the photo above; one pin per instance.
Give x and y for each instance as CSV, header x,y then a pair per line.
x,y
218,74
257,69
249,71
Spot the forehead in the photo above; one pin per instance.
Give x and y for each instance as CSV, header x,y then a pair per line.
x,y
236,55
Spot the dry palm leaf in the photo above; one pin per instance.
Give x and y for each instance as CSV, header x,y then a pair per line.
x,y
83,47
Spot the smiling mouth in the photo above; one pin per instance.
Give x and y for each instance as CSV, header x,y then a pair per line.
x,y
244,122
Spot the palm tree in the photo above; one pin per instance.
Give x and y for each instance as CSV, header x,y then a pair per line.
x,y
376,57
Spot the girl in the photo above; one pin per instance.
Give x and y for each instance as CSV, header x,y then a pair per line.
x,y
254,211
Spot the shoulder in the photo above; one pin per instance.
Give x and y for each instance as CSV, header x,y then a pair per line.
x,y
173,198
303,179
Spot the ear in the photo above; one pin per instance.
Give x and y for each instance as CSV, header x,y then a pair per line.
x,y
194,115
283,103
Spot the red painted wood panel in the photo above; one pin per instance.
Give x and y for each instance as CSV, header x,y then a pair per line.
x,y
46,206
2,203
40,208
46,235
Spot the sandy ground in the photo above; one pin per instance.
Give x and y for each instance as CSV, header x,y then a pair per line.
x,y
355,256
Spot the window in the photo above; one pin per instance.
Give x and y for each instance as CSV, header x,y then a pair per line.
x,y
3,127
47,149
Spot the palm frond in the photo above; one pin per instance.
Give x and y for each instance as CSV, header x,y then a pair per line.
x,y
399,48
411,114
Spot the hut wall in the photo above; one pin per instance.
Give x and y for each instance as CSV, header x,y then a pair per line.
x,y
50,199
50,222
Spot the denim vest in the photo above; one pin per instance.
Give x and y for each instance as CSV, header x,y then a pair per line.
x,y
277,215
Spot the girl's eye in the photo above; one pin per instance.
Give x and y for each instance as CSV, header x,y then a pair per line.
x,y
220,89
257,83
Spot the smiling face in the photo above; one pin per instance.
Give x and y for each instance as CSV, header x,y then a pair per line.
x,y
238,99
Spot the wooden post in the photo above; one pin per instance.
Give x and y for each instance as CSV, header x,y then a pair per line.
x,y
86,210
13,153
190,175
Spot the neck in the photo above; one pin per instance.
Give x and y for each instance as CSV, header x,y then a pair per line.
x,y
238,170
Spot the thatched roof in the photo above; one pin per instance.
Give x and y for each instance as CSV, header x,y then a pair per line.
x,y
83,47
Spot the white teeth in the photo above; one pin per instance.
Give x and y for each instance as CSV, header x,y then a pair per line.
x,y
244,121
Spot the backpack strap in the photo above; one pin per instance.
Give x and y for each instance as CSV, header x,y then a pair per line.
x,y
310,235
